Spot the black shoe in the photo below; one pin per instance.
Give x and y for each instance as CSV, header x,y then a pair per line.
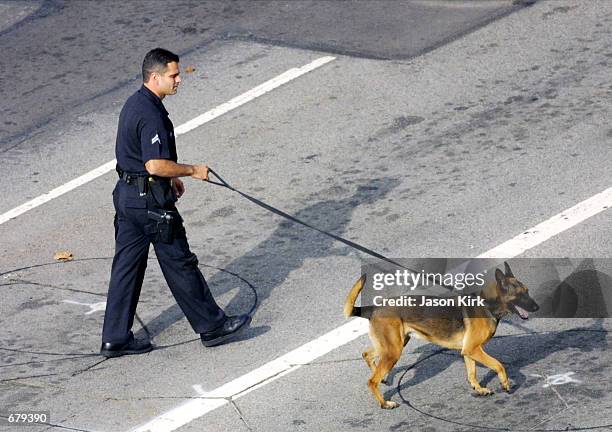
x,y
231,327
132,346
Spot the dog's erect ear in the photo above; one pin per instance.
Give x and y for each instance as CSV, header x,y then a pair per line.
x,y
508,270
499,277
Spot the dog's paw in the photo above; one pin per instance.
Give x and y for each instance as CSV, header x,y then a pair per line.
x,y
483,391
508,386
389,405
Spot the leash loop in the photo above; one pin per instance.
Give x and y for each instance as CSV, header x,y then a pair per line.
x,y
221,182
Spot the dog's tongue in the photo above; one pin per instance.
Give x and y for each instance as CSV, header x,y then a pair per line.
x,y
522,312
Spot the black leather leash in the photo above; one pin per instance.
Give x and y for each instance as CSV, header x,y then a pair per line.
x,y
274,210
354,245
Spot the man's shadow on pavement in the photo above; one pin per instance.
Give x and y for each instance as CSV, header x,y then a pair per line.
x,y
270,262
513,351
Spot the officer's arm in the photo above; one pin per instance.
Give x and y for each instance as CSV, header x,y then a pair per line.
x,y
168,168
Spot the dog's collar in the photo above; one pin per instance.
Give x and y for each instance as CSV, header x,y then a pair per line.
x,y
493,306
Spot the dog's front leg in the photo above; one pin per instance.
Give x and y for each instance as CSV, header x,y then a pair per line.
x,y
480,356
470,366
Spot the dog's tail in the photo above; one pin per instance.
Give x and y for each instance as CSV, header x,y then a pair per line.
x,y
349,305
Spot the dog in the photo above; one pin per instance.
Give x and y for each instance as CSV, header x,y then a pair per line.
x,y
463,328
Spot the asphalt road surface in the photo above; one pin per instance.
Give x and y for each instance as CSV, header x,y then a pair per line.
x,y
418,129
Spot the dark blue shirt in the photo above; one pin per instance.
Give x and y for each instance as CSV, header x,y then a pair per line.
x,y
145,132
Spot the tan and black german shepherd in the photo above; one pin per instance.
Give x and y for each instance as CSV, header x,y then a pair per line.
x,y
462,328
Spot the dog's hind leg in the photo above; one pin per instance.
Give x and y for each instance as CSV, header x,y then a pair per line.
x,y
369,355
480,356
386,378
470,365
386,363
388,343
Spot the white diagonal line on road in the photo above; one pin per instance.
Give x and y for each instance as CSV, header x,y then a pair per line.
x,y
238,101
355,328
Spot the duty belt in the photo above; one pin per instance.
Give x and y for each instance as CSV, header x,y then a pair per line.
x,y
145,182
129,177
142,180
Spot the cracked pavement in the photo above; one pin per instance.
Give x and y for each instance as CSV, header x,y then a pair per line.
x,y
420,140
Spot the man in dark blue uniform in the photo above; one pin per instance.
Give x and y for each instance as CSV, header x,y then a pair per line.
x,y
144,199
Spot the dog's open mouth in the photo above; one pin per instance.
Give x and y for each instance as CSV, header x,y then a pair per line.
x,y
521,312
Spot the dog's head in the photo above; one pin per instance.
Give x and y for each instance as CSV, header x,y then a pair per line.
x,y
512,296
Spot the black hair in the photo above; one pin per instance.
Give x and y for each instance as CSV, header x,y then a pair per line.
x,y
156,61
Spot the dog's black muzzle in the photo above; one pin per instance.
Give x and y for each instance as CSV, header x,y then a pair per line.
x,y
522,307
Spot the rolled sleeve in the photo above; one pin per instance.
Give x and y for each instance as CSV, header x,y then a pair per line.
x,y
154,141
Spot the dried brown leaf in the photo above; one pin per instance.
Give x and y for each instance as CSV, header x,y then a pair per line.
x,y
63,255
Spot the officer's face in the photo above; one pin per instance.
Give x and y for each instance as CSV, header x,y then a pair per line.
x,y
168,81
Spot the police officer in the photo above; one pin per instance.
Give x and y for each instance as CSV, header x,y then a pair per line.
x,y
144,199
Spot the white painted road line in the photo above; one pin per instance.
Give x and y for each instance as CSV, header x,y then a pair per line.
x,y
262,89
263,375
553,226
344,334
248,96
58,191
259,377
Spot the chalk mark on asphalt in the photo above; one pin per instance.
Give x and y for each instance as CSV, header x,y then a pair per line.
x,y
93,307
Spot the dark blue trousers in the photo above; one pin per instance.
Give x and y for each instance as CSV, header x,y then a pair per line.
x,y
134,232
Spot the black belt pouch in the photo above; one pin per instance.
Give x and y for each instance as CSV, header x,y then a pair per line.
x,y
162,193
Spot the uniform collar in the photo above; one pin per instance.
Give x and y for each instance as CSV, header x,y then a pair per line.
x,y
153,98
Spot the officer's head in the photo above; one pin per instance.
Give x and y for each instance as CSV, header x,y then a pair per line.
x,y
160,72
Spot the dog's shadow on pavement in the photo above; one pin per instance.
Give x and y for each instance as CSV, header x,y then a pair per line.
x,y
514,351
